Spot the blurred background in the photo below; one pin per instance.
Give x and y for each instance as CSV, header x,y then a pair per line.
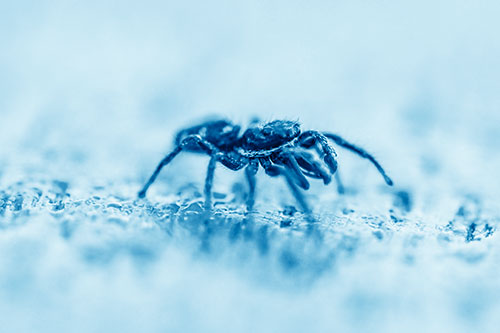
x,y
92,92
115,79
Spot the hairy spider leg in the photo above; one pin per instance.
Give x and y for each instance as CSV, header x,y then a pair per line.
x,y
310,166
361,152
274,171
338,180
165,161
310,138
287,159
250,172
340,185
230,162
190,140
209,180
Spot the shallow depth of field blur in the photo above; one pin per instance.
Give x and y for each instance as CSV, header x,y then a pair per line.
x,y
91,94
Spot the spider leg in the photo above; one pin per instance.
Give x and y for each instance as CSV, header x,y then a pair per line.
x,y
361,152
188,141
309,138
310,166
165,161
315,170
250,172
340,185
274,171
209,180
296,192
287,159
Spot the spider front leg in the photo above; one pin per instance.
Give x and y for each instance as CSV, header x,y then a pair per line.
x,y
340,185
361,152
310,166
311,138
190,141
275,171
287,159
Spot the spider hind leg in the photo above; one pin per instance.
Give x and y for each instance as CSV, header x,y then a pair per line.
x,y
164,162
187,144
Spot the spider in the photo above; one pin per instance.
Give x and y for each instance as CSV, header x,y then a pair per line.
x,y
279,146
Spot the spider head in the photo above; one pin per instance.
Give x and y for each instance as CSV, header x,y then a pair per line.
x,y
270,135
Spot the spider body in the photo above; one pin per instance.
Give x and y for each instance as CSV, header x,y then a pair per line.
x,y
279,147
269,136
220,133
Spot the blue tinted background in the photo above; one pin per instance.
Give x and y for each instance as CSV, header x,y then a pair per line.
x,y
115,73
92,92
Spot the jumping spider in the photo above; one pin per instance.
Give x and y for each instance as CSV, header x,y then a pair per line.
x,y
279,146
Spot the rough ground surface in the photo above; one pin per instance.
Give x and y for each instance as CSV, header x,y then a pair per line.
x,y
92,93
95,257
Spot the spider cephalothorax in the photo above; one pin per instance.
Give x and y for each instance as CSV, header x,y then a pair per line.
x,y
270,135
279,146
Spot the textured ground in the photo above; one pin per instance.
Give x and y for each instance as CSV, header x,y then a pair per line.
x,y
94,257
91,96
